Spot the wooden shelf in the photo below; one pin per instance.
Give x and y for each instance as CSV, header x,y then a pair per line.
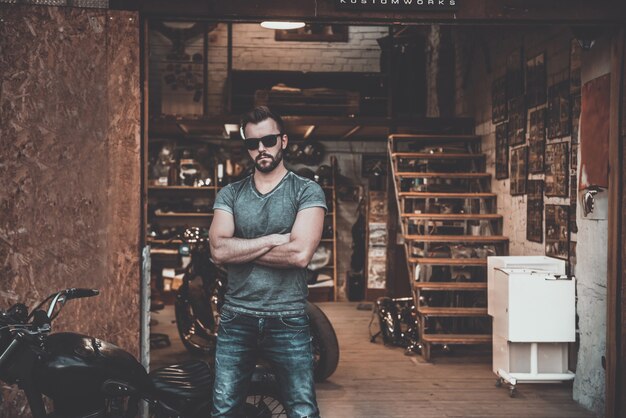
x,y
437,156
452,216
457,238
435,138
428,195
428,286
183,215
457,338
418,175
163,241
449,261
451,312
180,188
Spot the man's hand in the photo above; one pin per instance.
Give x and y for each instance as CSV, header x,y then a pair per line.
x,y
304,238
225,249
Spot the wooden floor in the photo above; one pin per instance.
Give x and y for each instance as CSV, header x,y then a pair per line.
x,y
377,381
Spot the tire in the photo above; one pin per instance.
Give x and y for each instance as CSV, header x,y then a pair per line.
x,y
263,401
325,344
195,319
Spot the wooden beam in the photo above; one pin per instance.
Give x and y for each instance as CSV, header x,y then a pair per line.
x,y
469,11
615,322
351,132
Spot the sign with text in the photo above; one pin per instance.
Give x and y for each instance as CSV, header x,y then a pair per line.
x,y
398,5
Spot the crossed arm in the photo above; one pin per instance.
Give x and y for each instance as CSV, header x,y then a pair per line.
x,y
276,250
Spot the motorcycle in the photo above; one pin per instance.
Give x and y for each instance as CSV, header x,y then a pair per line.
x,y
201,295
86,377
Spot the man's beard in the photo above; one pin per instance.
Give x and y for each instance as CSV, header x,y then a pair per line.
x,y
272,165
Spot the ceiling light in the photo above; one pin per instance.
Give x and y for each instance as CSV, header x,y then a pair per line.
x,y
282,25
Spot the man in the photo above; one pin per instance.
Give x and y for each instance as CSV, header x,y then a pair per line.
x,y
266,228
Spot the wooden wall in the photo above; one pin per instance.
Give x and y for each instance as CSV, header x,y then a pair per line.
x,y
70,167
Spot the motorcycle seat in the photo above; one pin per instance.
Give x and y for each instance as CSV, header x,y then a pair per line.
x,y
183,386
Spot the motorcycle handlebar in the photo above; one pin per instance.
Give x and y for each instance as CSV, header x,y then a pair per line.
x,y
77,292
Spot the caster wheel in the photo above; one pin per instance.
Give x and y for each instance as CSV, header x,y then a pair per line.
x,y
512,392
499,382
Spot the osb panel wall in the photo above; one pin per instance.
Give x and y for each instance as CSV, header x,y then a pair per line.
x,y
70,167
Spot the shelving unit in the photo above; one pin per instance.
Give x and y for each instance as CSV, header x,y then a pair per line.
x,y
329,293
449,226
171,219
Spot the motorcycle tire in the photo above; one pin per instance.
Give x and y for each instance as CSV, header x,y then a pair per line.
x,y
197,326
325,344
263,401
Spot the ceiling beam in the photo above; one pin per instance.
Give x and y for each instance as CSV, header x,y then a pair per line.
x,y
468,11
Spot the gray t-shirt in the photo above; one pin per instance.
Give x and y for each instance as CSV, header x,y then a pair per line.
x,y
257,289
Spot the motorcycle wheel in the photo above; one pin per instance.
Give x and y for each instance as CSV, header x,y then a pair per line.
x,y
197,327
263,402
324,342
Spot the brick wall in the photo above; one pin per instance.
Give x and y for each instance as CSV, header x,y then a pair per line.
x,y
481,57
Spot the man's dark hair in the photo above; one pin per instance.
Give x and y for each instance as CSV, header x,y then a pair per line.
x,y
259,114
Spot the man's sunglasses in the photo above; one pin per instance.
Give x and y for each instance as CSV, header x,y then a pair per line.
x,y
268,141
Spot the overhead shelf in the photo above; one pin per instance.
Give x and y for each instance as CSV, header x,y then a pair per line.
x,y
468,286
457,238
449,261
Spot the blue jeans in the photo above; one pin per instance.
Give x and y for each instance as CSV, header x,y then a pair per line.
x,y
285,342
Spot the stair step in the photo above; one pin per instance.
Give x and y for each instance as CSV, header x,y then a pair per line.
x,y
450,286
449,312
457,338
437,156
449,261
452,216
418,175
425,195
435,138
456,238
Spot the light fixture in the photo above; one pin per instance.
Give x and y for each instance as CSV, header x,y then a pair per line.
x,y
231,128
282,25
586,35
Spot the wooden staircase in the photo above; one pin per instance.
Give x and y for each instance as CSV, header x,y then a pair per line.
x,y
449,225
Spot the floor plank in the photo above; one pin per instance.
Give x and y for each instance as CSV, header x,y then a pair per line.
x,y
373,380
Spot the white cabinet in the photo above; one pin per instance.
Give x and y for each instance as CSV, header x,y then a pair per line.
x,y
536,263
534,319
531,306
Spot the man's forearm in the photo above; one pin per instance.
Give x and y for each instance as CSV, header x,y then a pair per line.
x,y
288,255
240,250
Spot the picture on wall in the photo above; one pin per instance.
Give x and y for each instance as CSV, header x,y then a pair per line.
x,y
559,120
573,166
498,100
502,152
573,197
534,211
557,157
515,73
557,231
576,100
519,170
314,32
517,121
536,80
575,64
537,141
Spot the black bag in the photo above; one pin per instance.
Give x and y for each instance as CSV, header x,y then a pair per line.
x,y
398,323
